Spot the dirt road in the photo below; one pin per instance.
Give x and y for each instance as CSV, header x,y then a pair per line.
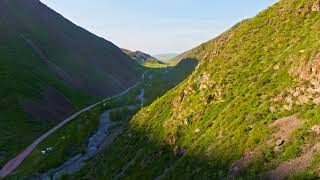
x,y
15,162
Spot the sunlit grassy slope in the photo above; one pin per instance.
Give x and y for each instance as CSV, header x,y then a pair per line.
x,y
263,69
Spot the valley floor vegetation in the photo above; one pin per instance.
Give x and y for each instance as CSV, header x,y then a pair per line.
x,y
72,139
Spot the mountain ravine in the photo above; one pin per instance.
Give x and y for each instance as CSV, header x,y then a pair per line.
x,y
250,110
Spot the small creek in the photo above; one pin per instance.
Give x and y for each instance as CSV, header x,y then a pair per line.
x,y
100,139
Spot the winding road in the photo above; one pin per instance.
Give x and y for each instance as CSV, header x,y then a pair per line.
x,y
15,162
98,141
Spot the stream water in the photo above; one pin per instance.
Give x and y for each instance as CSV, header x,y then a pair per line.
x,y
96,142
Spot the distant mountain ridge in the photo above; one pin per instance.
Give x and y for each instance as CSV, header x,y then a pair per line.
x,y
141,57
166,57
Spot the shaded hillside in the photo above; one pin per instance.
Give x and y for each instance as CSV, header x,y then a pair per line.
x,y
249,110
49,68
159,81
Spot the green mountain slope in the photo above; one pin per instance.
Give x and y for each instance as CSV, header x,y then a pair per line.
x,y
50,68
250,109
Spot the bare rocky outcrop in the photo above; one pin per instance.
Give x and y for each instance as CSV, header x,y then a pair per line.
x,y
306,90
282,128
295,165
316,129
178,151
171,140
316,6
242,163
204,82
198,130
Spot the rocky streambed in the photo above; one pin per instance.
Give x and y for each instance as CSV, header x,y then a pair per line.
x,y
99,140
74,164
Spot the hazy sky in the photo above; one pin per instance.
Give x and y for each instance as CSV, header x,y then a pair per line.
x,y
157,26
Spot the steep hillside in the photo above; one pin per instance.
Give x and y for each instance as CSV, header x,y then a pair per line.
x,y
249,110
49,68
160,80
